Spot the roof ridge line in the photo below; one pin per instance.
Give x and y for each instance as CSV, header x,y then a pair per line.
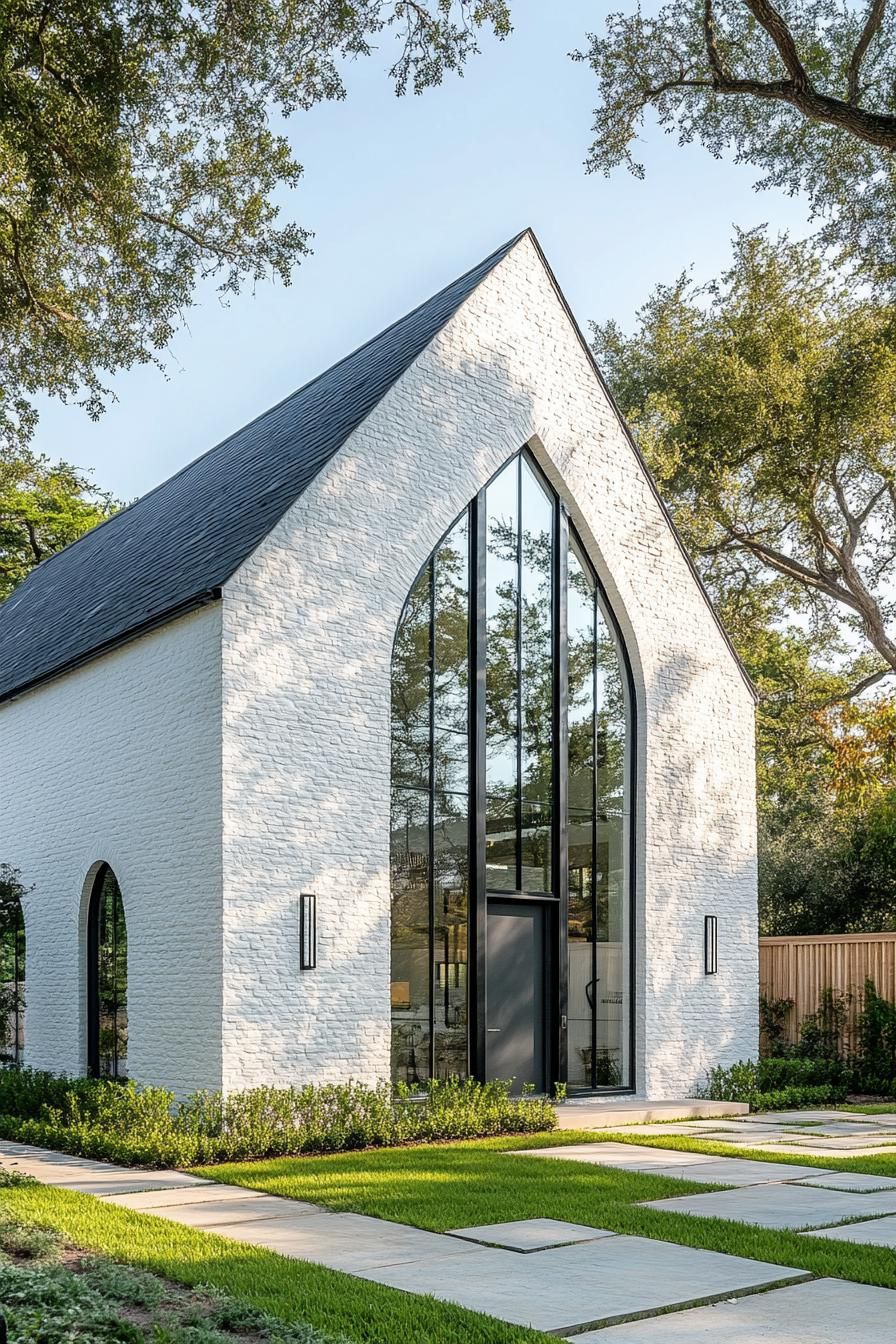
x,y
297,391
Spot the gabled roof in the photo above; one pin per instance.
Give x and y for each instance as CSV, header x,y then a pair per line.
x,y
173,549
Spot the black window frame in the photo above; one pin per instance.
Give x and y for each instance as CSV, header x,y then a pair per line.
x,y
94,912
557,901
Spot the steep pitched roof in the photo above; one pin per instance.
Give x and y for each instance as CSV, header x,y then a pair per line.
x,y
173,549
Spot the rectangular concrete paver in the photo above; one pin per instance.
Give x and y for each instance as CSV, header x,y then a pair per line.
x,y
530,1234
206,1192
876,1232
841,1143
781,1206
351,1242
617,1155
684,1166
84,1175
736,1171
212,1215
579,1286
825,1311
852,1180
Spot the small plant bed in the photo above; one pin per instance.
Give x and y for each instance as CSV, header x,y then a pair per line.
x,y
51,1291
136,1278
147,1126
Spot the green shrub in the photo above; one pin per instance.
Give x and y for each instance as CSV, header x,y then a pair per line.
x,y
794,1071
146,1126
773,1015
778,1085
822,1031
876,1031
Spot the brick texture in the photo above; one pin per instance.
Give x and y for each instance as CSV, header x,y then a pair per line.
x,y
240,755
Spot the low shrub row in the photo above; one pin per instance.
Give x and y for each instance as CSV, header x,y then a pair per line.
x,y
146,1126
779,1084
853,1032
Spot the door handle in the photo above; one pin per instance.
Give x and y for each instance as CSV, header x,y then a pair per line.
x,y
493,1028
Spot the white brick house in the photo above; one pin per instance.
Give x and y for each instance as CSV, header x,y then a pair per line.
x,y
195,731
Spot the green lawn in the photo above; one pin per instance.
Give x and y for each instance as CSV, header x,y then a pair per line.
x,y
436,1187
464,1184
869,1107
337,1304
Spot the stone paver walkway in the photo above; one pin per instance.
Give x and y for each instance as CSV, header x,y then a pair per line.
x,y
567,1278
825,1311
543,1272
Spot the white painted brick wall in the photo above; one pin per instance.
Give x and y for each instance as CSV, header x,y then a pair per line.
x,y
307,631
121,761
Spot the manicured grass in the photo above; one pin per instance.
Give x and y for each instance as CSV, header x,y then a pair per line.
x,y
292,1290
464,1184
869,1107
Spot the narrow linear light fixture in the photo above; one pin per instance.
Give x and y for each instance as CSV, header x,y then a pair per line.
x,y
308,931
711,945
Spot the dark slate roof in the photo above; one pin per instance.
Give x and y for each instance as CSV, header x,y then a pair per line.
x,y
175,547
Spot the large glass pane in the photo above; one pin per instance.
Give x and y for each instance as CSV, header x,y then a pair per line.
x,y
434,744
451,868
112,980
410,980
502,678
412,689
580,620
451,821
612,894
537,682
451,639
12,981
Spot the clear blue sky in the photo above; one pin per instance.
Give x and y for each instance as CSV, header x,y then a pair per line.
x,y
404,194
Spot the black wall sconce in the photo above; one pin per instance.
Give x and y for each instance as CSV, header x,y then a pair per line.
x,y
307,931
711,945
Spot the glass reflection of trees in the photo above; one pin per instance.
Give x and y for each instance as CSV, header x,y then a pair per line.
x,y
431,770
598,836
430,818
12,972
108,979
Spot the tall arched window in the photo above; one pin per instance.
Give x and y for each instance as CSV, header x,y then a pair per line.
x,y
107,979
12,968
511,751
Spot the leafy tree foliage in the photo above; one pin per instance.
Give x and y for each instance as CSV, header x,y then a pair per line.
x,y
805,92
44,505
138,157
766,406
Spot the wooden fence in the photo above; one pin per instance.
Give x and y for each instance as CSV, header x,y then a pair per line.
x,y
801,968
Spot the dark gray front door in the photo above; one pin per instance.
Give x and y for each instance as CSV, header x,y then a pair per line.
x,y
515,993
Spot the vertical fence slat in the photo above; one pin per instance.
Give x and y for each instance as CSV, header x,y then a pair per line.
x,y
801,968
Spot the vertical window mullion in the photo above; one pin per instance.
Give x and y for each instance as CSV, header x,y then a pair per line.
x,y
560,762
595,798
431,815
519,673
478,915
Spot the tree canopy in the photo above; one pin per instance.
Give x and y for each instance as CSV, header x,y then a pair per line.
x,y
44,505
805,92
765,403
139,155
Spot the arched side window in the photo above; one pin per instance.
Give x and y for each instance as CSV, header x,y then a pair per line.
x,y
12,968
107,979
511,805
